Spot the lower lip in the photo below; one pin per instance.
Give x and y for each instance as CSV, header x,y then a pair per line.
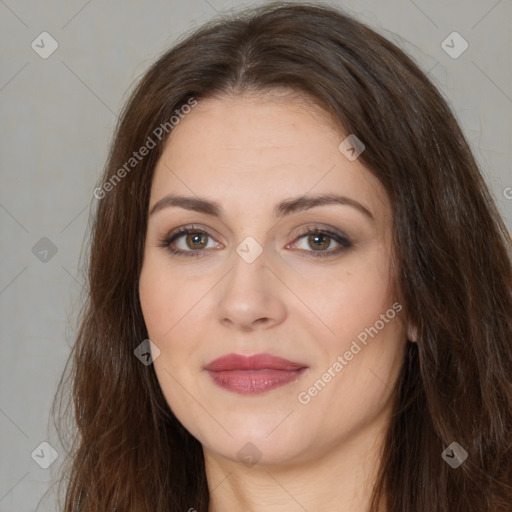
x,y
252,382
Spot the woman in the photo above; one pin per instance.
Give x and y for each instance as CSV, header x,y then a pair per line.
x,y
300,287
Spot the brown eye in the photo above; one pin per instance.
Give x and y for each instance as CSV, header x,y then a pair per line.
x,y
319,240
196,240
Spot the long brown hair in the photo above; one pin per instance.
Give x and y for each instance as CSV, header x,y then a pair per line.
x,y
129,452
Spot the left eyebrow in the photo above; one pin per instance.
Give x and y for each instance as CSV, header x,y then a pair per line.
x,y
282,209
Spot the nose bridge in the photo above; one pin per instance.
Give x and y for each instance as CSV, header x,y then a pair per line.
x,y
249,274
250,294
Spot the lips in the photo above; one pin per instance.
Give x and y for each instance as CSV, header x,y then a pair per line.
x,y
256,362
254,374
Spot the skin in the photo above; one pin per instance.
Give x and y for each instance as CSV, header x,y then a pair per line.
x,y
249,152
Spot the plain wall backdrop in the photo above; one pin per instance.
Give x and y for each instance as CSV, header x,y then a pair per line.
x,y
58,112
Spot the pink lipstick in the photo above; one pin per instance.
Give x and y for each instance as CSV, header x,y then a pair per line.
x,y
250,375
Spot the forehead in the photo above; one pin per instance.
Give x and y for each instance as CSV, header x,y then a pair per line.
x,y
252,149
267,126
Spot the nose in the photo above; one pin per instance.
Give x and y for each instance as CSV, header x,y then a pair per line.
x,y
251,297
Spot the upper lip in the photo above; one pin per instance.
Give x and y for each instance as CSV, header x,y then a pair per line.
x,y
254,362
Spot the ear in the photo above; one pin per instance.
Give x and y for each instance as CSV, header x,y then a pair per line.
x,y
412,332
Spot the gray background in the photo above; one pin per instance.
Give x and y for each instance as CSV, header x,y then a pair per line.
x,y
58,116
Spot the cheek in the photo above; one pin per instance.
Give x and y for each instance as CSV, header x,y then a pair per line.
x,y
345,300
359,321
173,324
175,308
352,383
157,302
168,299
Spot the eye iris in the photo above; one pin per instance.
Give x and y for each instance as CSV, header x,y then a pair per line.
x,y
195,237
314,238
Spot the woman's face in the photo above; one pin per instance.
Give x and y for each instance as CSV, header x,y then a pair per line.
x,y
253,278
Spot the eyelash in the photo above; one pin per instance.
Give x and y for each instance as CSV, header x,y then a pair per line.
x,y
340,239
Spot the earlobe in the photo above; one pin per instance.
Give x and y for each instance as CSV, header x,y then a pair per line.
x,y
412,333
